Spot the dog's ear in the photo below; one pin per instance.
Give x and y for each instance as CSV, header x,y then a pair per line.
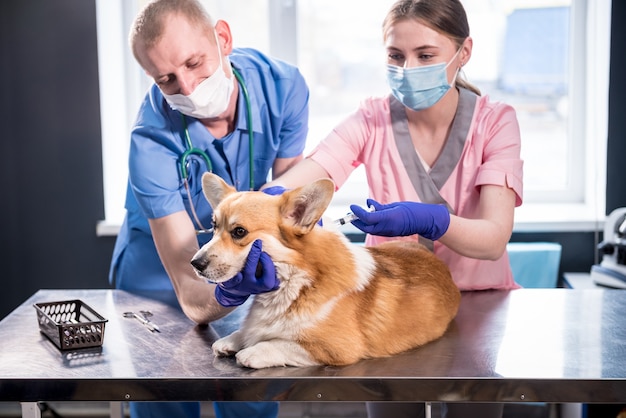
x,y
215,189
305,205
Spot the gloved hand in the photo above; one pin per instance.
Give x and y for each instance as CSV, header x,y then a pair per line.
x,y
274,190
258,276
402,219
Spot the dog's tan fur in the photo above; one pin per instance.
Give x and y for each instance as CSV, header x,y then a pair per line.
x,y
338,302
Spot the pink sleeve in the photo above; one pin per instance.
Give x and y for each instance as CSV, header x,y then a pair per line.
x,y
341,151
502,164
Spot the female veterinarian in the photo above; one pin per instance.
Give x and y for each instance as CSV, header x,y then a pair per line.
x,y
235,112
442,162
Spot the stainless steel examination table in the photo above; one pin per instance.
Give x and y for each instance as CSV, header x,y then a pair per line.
x,y
527,345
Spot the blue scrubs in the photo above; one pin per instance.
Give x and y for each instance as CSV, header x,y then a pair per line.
x,y
279,107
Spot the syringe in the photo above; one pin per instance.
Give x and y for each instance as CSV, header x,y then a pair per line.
x,y
349,217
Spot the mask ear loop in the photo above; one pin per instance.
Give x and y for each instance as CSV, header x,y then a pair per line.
x,y
182,167
458,70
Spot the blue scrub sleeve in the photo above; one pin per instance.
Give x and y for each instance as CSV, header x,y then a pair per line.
x,y
295,128
153,168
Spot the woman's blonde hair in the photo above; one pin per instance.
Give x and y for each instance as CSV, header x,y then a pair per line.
x,y
444,16
149,24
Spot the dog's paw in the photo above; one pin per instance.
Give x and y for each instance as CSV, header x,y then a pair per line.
x,y
224,347
256,357
275,353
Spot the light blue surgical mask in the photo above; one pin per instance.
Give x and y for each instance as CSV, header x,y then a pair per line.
x,y
419,88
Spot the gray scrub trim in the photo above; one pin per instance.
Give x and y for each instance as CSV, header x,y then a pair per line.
x,y
426,184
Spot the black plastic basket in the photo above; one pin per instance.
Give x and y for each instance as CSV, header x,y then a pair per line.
x,y
70,324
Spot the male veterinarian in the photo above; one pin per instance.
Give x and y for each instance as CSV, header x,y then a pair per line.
x,y
235,112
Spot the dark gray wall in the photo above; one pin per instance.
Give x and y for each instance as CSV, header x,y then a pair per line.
x,y
51,152
616,168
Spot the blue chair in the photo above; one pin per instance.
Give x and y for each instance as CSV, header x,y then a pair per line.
x,y
535,264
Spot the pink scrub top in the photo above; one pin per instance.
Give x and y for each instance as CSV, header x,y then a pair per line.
x,y
483,147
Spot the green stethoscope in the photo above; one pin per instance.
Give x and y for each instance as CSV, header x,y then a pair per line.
x,y
191,150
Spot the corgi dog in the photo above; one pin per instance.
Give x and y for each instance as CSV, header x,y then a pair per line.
x,y
337,302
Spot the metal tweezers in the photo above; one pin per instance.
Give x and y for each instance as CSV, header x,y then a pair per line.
x,y
143,318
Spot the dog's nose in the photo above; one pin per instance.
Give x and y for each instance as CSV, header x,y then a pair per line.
x,y
199,262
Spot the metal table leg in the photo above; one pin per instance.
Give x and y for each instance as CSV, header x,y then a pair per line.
x,y
116,409
30,410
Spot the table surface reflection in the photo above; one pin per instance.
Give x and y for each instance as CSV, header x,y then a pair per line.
x,y
527,345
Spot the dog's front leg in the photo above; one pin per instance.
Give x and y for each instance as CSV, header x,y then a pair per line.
x,y
275,353
229,345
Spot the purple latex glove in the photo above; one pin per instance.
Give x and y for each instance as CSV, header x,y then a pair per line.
x,y
274,190
402,219
258,276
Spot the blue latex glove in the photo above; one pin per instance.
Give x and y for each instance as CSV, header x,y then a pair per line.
x,y
274,190
403,219
258,276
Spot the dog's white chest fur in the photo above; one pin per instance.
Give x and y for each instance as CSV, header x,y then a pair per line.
x,y
268,334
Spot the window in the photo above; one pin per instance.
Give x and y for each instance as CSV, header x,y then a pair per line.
x,y
547,58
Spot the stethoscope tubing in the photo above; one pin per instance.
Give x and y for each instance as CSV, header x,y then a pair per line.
x,y
191,150
246,97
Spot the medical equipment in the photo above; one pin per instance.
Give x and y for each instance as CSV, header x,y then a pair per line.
x,y
143,318
71,324
611,272
191,150
349,217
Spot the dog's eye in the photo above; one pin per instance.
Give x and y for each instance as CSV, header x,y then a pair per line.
x,y
238,232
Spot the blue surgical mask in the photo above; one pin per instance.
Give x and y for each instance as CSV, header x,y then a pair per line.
x,y
419,88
